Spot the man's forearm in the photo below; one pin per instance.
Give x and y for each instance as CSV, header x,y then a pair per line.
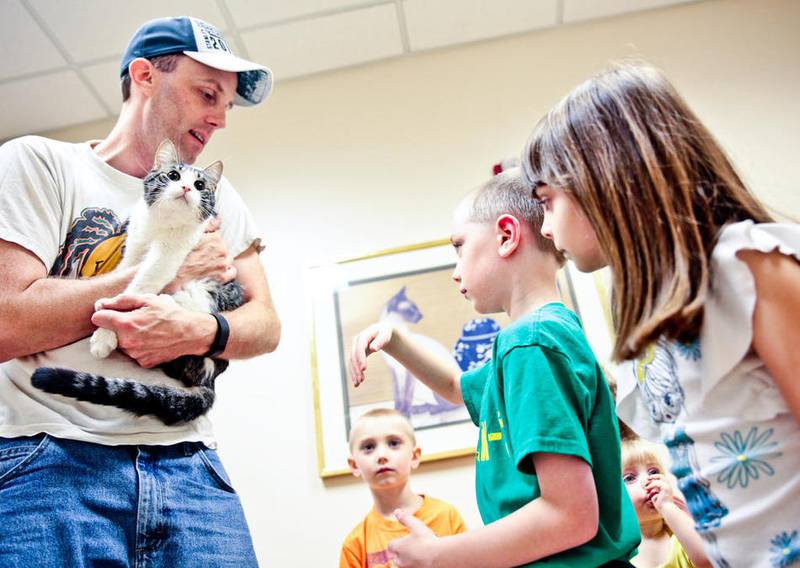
x,y
52,312
255,329
255,326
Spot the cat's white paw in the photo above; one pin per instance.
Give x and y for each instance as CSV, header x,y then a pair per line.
x,y
102,343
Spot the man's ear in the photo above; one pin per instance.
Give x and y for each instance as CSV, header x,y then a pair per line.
x,y
353,467
508,231
141,73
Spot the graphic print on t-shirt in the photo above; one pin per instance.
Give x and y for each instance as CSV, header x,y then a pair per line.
x,y
93,245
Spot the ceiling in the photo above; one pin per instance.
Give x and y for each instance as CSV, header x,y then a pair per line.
x,y
59,59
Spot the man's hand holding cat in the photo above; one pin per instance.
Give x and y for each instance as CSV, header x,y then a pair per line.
x,y
208,259
152,329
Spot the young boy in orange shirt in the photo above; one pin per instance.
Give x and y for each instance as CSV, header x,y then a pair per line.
x,y
383,451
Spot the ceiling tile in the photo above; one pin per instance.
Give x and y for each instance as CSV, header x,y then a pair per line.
x,y
577,10
319,44
89,33
25,48
47,102
104,77
248,13
436,23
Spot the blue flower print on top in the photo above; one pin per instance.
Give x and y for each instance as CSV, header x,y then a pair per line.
x,y
786,549
745,458
690,350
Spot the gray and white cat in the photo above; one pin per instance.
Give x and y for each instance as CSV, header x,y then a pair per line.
x,y
178,203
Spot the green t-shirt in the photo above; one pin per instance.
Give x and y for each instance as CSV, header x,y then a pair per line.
x,y
543,391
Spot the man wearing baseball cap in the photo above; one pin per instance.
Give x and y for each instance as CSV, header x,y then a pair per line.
x,y
84,484
203,43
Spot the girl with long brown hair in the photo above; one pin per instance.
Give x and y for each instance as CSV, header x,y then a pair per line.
x,y
706,300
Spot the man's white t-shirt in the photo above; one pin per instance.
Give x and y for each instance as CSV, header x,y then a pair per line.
x,y
64,204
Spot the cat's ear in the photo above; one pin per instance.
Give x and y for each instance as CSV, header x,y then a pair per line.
x,y
214,172
166,155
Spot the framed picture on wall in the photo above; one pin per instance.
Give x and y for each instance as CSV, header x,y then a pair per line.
x,y
412,287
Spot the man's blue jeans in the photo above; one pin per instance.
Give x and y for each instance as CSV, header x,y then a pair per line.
x,y
66,504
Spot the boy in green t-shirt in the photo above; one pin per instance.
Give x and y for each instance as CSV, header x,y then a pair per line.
x,y
548,474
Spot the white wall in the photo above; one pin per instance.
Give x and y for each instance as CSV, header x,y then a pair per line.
x,y
376,156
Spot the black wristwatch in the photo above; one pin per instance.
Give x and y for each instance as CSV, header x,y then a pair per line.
x,y
221,338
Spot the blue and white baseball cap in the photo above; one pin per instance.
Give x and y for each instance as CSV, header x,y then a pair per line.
x,y
204,43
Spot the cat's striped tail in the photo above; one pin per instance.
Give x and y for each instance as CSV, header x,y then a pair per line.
x,y
169,404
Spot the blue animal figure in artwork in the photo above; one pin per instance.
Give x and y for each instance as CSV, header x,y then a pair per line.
x,y
474,347
410,395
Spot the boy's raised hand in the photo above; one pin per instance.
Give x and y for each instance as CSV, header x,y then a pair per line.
x,y
417,549
372,339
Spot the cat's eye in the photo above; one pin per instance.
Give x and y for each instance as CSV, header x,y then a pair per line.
x,y
174,175
199,185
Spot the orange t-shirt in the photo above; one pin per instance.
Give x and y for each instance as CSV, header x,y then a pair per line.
x,y
367,545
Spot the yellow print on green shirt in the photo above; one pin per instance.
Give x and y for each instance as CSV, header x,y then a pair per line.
x,y
483,453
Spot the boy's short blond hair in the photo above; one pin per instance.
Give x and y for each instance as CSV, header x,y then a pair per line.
x,y
507,193
382,413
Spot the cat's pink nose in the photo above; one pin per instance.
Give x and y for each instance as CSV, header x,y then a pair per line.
x,y
186,189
